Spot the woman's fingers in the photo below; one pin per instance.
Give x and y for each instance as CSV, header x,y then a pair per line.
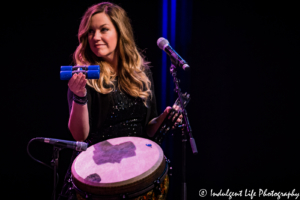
x,y
167,110
179,120
77,84
72,80
175,116
82,82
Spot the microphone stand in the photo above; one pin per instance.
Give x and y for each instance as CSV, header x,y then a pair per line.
x,y
54,163
185,130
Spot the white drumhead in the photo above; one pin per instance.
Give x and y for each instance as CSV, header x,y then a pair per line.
x,y
118,162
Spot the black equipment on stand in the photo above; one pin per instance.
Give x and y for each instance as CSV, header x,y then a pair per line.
x,y
54,163
186,130
57,146
177,61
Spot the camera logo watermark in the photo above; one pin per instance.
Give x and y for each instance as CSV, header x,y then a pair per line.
x,y
251,194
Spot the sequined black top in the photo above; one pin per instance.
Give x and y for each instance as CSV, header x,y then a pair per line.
x,y
112,115
117,114
126,117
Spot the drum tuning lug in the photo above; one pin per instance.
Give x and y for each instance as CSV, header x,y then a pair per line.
x,y
157,190
157,182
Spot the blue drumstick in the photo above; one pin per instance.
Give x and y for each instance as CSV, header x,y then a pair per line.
x,y
72,68
90,74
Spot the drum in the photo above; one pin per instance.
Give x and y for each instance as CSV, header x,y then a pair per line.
x,y
121,168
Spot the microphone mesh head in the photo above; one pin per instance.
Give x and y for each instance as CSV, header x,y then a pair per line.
x,y
162,43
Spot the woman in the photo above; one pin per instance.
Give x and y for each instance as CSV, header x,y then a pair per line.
x,y
122,101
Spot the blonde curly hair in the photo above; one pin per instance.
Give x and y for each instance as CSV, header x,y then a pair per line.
x,y
132,78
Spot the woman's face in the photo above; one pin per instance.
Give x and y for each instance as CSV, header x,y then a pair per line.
x,y
103,37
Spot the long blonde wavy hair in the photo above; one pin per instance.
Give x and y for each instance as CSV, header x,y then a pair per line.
x,y
132,78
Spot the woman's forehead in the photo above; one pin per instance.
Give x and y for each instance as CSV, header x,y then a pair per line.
x,y
100,19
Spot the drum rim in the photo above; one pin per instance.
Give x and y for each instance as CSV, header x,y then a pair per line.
x,y
126,186
128,194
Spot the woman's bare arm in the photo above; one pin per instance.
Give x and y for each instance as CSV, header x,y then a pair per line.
x,y
79,117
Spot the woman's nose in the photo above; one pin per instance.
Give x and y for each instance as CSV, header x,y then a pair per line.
x,y
97,35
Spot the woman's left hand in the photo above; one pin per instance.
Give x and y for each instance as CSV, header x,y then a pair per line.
x,y
173,115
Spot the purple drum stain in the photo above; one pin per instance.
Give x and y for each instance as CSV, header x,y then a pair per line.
x,y
107,153
93,178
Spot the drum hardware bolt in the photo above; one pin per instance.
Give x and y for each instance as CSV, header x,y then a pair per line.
x,y
157,190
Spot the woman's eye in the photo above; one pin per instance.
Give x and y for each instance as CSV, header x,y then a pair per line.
x,y
90,31
104,29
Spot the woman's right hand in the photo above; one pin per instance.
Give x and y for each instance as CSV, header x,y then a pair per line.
x,y
77,84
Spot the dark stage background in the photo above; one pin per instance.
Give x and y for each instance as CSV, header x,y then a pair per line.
x,y
243,83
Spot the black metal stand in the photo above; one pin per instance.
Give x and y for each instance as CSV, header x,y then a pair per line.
x,y
186,130
54,163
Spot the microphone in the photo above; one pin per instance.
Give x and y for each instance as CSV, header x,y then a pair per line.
x,y
78,146
176,59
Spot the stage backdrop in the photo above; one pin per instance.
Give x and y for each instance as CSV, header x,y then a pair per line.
x,y
243,111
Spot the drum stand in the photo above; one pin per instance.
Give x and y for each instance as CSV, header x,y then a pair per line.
x,y
185,130
54,163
